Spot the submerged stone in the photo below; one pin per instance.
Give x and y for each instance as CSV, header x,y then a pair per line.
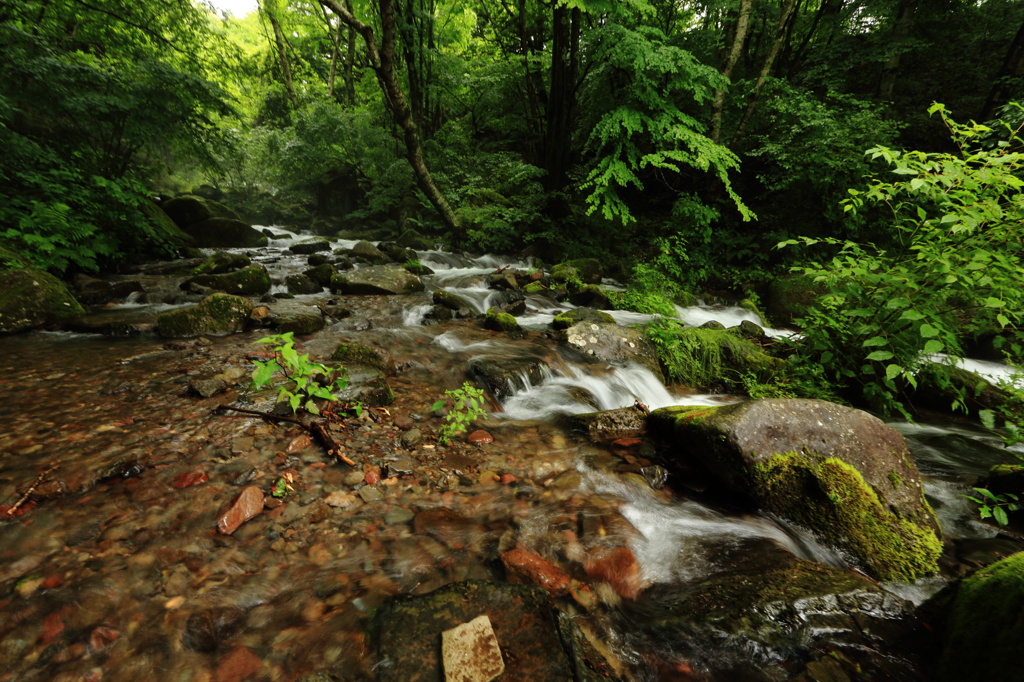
x,y
839,471
352,353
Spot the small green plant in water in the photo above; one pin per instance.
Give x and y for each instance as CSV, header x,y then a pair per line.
x,y
995,505
469,405
306,381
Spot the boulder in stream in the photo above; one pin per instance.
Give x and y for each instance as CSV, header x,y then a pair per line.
x,y
366,252
308,246
608,425
366,385
217,314
613,344
771,607
585,270
380,279
221,262
497,320
225,233
985,628
353,353
31,298
539,643
503,377
577,315
249,281
302,284
839,471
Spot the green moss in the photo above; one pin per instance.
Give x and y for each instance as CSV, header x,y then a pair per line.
x,y
895,479
535,288
222,261
216,314
571,317
986,628
33,298
250,280
498,320
832,497
358,354
705,358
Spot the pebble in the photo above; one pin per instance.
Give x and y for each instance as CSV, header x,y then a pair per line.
x,y
247,505
190,478
340,500
525,567
480,437
370,494
397,515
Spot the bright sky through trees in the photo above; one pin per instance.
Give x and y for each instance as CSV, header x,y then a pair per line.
x,y
237,7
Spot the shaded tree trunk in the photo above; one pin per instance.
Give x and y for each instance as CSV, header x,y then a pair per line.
x,y
557,148
739,36
904,22
382,61
1011,69
282,53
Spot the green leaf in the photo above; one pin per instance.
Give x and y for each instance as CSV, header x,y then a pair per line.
x,y
893,371
912,315
1000,515
880,356
927,331
932,346
987,418
875,341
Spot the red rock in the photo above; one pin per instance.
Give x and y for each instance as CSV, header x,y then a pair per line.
x,y
103,636
626,443
53,625
371,474
240,664
51,582
480,437
189,479
507,479
526,568
298,444
248,504
617,567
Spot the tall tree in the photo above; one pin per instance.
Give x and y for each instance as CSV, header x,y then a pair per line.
x,y
382,61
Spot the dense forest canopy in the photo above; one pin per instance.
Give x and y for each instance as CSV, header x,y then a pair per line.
x,y
685,138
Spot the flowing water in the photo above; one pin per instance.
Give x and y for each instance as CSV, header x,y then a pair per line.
x,y
113,569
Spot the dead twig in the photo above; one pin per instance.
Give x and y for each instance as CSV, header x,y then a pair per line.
x,y
32,488
264,415
324,437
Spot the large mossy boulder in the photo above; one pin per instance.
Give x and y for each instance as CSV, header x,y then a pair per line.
x,y
190,209
603,342
497,320
164,230
711,357
368,253
985,630
249,281
771,606
839,471
225,233
380,279
221,262
216,315
584,270
537,642
31,298
940,385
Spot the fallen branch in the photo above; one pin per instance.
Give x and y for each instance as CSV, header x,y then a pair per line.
x,y
32,488
333,447
264,415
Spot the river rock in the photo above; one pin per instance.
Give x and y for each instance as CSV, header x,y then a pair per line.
x,y
207,388
31,298
838,471
503,377
368,253
221,262
939,385
205,630
497,320
298,322
247,505
711,357
93,290
540,644
309,246
321,274
302,284
608,425
381,279
217,314
577,315
523,567
414,240
591,296
190,209
249,281
985,628
453,302
772,606
164,228
366,385
353,353
585,270
225,233
470,652
612,344
397,253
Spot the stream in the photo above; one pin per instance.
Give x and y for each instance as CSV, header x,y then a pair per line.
x,y
116,571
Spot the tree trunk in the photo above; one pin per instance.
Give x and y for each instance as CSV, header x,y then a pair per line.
x,y
382,61
557,148
766,68
1012,68
739,36
904,22
282,53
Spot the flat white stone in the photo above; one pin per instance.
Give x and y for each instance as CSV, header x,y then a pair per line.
x,y
470,652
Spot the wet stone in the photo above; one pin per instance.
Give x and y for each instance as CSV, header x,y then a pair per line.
x,y
471,653
207,388
526,568
205,630
397,515
370,494
189,479
246,506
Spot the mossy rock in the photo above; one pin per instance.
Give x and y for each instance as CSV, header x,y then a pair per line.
x,y
366,385
300,323
321,274
497,320
790,297
591,296
222,262
450,300
710,357
506,376
750,331
386,280
938,385
609,424
164,229
12,260
309,246
838,471
577,315
396,252
189,210
585,270
414,240
31,298
216,315
302,284
95,291
418,269
352,353
536,288
225,233
986,627
249,281
368,253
